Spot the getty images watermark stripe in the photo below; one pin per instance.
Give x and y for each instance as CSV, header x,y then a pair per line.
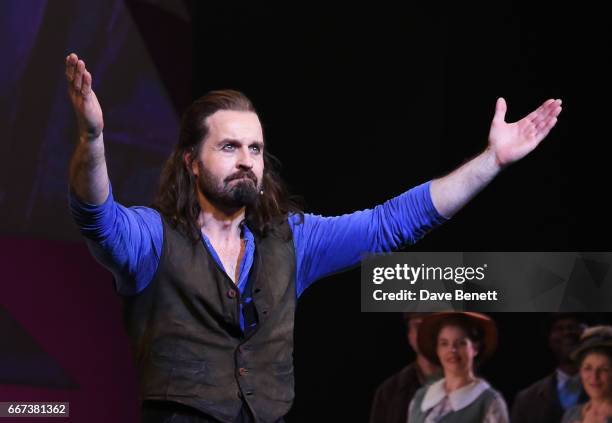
x,y
487,281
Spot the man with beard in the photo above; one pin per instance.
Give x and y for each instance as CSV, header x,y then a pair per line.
x,y
212,272
547,399
393,396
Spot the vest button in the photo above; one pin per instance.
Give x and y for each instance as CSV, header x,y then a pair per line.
x,y
242,371
231,293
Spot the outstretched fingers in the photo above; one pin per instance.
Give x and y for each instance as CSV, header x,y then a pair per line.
x,y
545,125
552,112
78,76
544,128
542,113
71,62
537,114
86,84
79,79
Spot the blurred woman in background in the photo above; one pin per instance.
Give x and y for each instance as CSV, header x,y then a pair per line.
x,y
594,355
456,341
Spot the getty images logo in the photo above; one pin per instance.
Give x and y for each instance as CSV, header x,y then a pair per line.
x,y
413,274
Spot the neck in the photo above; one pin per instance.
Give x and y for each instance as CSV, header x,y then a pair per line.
x,y
453,382
218,222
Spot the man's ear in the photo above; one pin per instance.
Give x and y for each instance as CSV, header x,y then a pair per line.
x,y
190,163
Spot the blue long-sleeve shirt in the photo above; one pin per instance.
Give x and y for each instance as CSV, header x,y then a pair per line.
x,y
128,241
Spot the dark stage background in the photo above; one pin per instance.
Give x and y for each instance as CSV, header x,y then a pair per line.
x,y
359,104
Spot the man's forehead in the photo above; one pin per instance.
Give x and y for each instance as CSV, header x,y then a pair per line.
x,y
235,125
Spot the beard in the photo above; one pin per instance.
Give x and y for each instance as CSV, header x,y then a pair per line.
x,y
240,189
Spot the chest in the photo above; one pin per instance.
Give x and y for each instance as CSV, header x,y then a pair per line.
x,y
230,254
476,411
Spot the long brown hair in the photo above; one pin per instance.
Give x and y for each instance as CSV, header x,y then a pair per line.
x,y
177,198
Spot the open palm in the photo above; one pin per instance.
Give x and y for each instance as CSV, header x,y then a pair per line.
x,y
513,141
84,101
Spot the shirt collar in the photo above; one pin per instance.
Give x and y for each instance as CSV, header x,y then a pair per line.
x,y
247,235
568,382
562,377
459,398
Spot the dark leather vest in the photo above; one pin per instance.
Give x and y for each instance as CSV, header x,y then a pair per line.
x,y
185,330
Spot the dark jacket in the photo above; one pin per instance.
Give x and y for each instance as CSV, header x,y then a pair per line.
x,y
538,403
393,396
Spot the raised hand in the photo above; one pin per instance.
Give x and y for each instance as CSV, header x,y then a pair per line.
x,y
508,142
513,141
86,106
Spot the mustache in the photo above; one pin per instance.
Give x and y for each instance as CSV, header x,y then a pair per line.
x,y
242,174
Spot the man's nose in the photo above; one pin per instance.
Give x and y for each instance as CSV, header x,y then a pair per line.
x,y
244,159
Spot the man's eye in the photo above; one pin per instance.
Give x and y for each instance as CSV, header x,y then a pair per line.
x,y
256,149
228,147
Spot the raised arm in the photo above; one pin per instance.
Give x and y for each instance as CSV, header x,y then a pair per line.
x,y
326,245
127,241
88,174
508,142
